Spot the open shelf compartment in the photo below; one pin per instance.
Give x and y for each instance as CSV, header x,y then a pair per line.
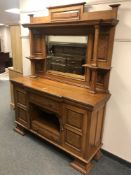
x,y
44,122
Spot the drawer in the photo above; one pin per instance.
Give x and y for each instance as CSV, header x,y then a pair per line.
x,y
44,102
45,132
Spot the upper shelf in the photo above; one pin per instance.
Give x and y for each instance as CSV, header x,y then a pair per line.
x,y
88,23
74,15
35,58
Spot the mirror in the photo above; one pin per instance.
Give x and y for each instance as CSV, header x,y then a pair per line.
x,y
66,55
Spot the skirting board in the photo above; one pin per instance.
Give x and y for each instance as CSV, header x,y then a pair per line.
x,y
116,158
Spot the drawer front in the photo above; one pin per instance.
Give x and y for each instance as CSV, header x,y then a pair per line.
x,y
20,96
21,116
75,128
44,132
44,102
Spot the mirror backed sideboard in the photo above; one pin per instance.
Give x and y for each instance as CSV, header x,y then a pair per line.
x,y
63,101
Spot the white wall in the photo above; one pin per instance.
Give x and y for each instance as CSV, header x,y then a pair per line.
x,y
5,39
117,130
38,8
73,39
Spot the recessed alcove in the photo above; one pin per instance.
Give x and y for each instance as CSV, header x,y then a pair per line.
x,y
44,119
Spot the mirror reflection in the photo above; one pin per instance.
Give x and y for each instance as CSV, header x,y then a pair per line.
x,y
66,55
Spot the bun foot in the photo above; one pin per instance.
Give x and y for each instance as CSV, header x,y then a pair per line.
x,y
81,166
20,130
98,155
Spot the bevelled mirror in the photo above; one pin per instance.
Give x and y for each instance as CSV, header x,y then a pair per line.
x,y
66,55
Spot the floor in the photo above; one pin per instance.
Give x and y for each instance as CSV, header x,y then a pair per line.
x,y
29,155
5,75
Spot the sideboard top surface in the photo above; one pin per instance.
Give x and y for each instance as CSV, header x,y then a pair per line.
x,y
62,90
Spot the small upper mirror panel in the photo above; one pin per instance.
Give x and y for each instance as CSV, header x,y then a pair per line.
x,y
66,55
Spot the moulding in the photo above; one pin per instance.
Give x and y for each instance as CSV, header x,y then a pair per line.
x,y
123,40
116,40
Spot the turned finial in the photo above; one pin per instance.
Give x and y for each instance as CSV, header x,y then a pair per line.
x,y
114,6
115,9
31,17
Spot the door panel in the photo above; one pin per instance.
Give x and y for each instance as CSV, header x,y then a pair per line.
x,y
75,127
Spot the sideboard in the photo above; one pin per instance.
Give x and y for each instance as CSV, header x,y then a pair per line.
x,y
58,103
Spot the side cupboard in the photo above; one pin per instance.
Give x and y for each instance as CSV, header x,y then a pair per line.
x,y
64,99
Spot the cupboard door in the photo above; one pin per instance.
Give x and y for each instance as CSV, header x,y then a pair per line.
x,y
21,99
45,102
21,116
21,106
20,96
75,128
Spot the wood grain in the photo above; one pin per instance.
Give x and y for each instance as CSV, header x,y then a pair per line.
x,y
67,112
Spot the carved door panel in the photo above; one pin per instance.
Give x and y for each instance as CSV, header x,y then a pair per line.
x,y
21,116
75,126
21,106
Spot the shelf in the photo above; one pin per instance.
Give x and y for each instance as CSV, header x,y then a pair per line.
x,y
91,66
41,119
89,23
35,58
44,124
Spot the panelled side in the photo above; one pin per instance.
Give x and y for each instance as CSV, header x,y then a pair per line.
x,y
95,131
